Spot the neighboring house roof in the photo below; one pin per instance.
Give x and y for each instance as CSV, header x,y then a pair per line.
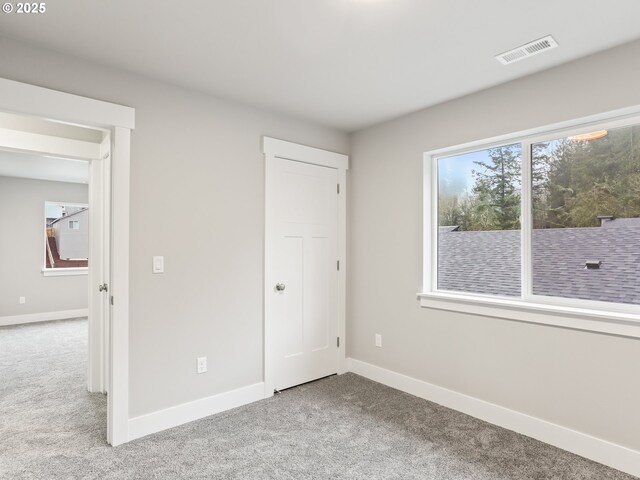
x,y
69,215
488,262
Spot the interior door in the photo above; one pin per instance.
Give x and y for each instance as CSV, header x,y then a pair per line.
x,y
99,268
303,271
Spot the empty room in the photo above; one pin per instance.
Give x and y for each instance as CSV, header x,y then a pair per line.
x,y
347,239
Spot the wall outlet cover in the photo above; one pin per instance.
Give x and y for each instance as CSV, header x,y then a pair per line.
x,y
378,340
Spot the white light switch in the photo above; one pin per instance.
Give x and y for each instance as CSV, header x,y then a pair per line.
x,y
158,264
202,364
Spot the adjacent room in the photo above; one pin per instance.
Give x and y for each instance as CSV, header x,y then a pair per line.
x,y
45,314
349,239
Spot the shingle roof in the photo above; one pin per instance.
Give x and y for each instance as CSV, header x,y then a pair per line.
x,y
488,262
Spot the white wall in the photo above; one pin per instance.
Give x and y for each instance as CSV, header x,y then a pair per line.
x,y
22,249
584,381
73,243
197,197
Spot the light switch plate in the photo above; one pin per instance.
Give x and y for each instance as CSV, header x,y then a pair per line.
x,y
158,264
202,364
378,340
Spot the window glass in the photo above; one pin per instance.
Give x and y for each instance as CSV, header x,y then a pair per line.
x,y
479,196
586,216
67,235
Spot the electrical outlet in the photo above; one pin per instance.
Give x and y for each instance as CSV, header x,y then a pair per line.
x,y
378,340
22,300
202,364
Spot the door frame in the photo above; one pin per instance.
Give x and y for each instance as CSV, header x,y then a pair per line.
x,y
26,99
99,267
274,148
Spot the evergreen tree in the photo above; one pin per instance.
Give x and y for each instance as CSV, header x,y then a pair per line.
x,y
572,183
497,187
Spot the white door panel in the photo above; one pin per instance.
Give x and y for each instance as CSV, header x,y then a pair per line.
x,y
291,327
305,244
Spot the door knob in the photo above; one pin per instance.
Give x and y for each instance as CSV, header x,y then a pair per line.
x,y
279,287
103,288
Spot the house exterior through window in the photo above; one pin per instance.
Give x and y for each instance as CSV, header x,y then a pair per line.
x,y
66,236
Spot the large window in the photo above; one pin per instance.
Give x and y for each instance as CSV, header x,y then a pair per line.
x,y
586,216
479,221
538,219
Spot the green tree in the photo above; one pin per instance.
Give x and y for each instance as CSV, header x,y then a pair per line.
x,y
497,188
584,179
458,210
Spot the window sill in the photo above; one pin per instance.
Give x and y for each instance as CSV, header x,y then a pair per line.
x,y
608,322
64,272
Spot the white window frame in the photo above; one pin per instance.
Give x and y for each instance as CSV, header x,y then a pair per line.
x,y
61,272
595,316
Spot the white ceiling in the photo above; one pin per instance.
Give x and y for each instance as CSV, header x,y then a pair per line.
x,y
344,63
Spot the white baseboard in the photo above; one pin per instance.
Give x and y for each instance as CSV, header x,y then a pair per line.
x,y
43,317
601,451
190,411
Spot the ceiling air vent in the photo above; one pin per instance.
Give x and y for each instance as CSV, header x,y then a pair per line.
x,y
527,50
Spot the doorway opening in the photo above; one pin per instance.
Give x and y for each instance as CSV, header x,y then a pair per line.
x,y
108,272
53,202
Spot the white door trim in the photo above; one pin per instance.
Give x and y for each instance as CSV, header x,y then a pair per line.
x,y
302,153
22,98
273,148
98,217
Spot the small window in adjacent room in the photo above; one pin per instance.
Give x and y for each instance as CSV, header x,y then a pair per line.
x,y
66,236
539,222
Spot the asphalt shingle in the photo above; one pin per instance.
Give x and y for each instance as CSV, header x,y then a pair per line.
x,y
488,262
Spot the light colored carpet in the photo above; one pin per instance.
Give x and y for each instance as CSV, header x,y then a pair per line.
x,y
342,427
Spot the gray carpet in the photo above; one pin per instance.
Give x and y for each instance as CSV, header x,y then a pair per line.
x,y
342,427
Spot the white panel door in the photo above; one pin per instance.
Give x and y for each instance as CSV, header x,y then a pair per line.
x,y
304,275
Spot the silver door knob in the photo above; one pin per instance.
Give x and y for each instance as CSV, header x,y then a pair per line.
x,y
103,288
279,287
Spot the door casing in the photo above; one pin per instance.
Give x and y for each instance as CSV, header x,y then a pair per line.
x,y
274,148
99,267
26,99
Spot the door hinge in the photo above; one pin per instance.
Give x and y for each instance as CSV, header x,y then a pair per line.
x,y
338,264
111,300
338,342
338,189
